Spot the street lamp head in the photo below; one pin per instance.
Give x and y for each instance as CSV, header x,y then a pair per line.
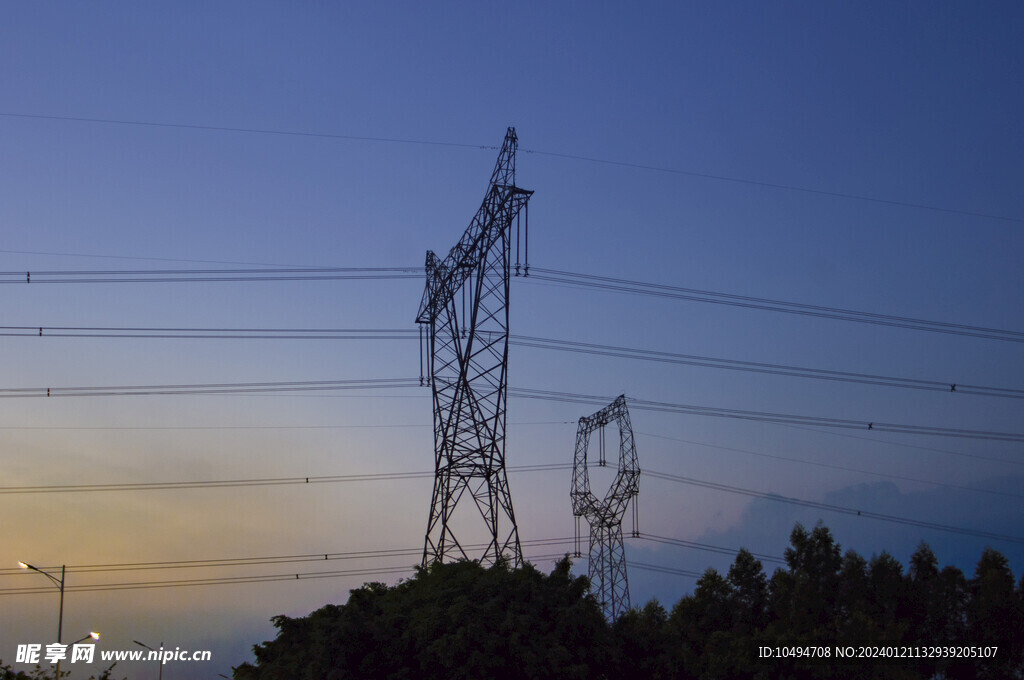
x,y
94,635
23,565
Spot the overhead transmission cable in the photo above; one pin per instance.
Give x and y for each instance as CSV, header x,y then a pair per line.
x,y
210,275
264,559
288,480
884,517
390,476
424,474
210,388
299,576
551,344
247,482
226,580
522,393
536,152
760,367
349,555
906,445
101,256
197,428
537,273
766,304
696,545
873,473
762,416
210,333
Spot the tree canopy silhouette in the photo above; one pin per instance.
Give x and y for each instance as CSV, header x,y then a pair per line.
x,y
460,620
455,620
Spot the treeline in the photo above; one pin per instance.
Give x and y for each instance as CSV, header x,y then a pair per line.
x,y
462,621
46,673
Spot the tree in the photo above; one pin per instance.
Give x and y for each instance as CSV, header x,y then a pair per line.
x,y
701,625
749,593
809,597
889,605
40,673
852,609
994,617
462,621
455,620
642,643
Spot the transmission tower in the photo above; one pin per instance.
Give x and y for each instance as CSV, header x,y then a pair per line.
x,y
464,313
607,570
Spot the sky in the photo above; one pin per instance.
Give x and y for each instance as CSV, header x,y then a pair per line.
x,y
858,156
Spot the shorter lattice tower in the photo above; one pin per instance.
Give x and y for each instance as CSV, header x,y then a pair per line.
x,y
607,571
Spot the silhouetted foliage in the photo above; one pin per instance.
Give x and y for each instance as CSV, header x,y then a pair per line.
x,y
47,673
463,621
453,621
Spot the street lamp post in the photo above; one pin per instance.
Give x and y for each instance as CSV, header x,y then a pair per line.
x,y
159,661
60,584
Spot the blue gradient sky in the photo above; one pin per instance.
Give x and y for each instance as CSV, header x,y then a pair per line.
x,y
898,101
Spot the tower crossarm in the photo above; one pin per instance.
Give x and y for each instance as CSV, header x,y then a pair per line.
x,y
500,207
626,484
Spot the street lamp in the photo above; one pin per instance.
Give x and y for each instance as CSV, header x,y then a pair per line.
x,y
93,635
159,661
59,582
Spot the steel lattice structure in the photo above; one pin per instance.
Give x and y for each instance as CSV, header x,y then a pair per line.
x,y
607,569
465,314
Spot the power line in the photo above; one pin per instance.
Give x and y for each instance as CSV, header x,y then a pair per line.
x,y
536,152
762,416
765,368
391,476
246,482
151,259
774,185
261,131
226,580
209,388
905,445
539,273
833,508
289,559
533,342
663,570
849,469
216,581
210,333
394,476
300,576
523,393
211,275
244,427
261,560
706,547
767,304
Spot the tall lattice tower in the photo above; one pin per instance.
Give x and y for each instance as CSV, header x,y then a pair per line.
x,y
465,315
607,569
